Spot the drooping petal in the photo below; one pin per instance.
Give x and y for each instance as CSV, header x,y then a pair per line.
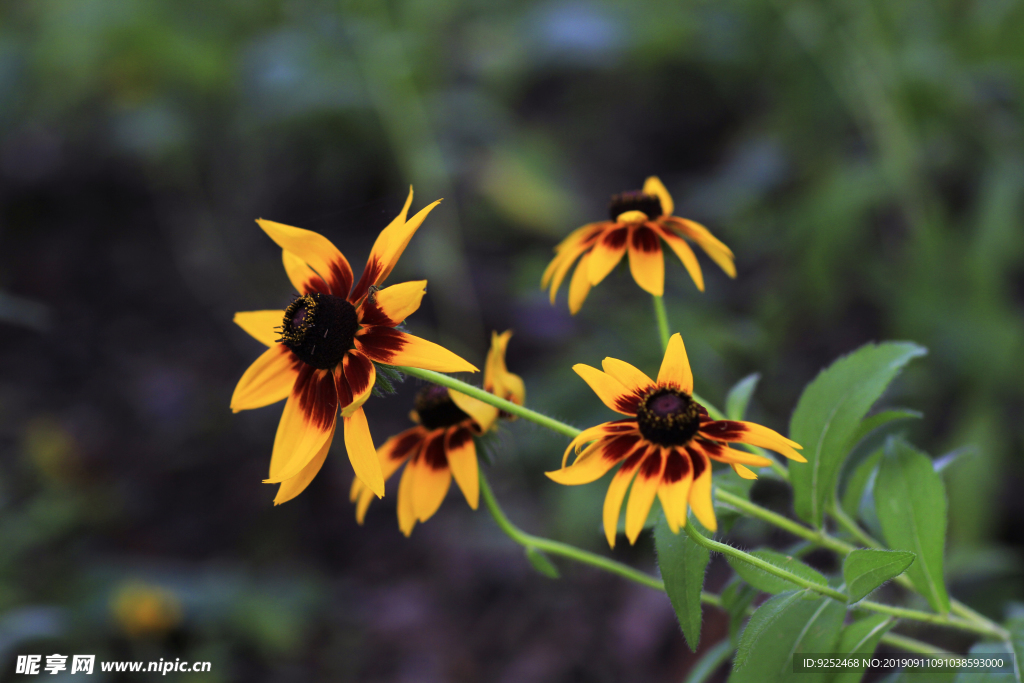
x,y
700,491
617,492
497,379
675,366
579,286
261,325
560,265
361,453
606,254
307,422
359,375
461,452
400,448
290,488
714,248
744,472
268,380
753,434
611,391
362,496
596,460
653,186
685,254
674,492
633,379
722,453
433,477
389,246
302,277
406,487
616,428
388,345
392,305
641,496
316,250
484,414
646,262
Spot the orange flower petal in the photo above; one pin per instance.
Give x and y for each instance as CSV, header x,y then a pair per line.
x,y
406,487
268,380
260,325
360,375
674,492
641,496
392,305
361,453
616,493
743,471
753,434
307,422
497,379
632,378
484,414
389,346
685,254
711,245
675,366
653,186
290,488
700,491
433,478
597,459
646,262
606,254
461,452
316,250
579,286
611,391
303,278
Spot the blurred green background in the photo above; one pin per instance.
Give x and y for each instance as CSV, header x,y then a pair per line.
x,y
863,160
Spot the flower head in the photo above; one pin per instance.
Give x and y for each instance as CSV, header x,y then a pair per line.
x,y
665,445
441,446
323,347
638,220
143,609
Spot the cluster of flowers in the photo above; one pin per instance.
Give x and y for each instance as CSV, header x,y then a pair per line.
x,y
323,352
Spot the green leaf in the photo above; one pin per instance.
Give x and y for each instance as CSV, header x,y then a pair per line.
x,y
986,651
738,398
866,570
910,500
541,563
880,420
861,637
828,416
782,627
682,563
1015,625
858,482
737,596
769,583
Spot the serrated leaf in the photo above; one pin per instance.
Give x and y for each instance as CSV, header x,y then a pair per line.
x,y
737,596
769,583
738,398
910,500
867,569
861,637
782,627
541,563
857,482
828,415
682,563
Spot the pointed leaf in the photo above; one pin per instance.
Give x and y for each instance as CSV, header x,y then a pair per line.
x,y
541,563
883,421
829,414
866,570
769,583
737,596
861,637
910,500
783,627
738,398
682,563
857,482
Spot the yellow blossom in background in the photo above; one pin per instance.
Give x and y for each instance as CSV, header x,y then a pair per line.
x,y
142,609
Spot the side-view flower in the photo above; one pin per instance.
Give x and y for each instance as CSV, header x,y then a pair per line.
x,y
665,445
441,446
638,220
323,346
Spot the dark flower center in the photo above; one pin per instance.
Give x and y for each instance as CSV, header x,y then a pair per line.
x,y
436,409
634,201
320,329
668,417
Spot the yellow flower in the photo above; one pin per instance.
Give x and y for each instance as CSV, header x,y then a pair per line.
x,y
441,446
638,220
330,338
665,445
142,609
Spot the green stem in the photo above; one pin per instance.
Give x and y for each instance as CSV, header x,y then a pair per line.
x,y
754,510
662,317
827,591
912,645
487,397
709,663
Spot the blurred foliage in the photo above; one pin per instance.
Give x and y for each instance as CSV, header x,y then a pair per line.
x,y
864,161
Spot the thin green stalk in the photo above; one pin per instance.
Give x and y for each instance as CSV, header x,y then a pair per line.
x,y
487,397
912,645
662,317
709,663
754,510
827,591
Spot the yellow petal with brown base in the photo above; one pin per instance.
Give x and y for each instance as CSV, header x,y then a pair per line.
x,y
297,441
461,452
633,379
611,391
268,380
641,496
646,262
686,255
700,496
432,483
316,250
613,502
